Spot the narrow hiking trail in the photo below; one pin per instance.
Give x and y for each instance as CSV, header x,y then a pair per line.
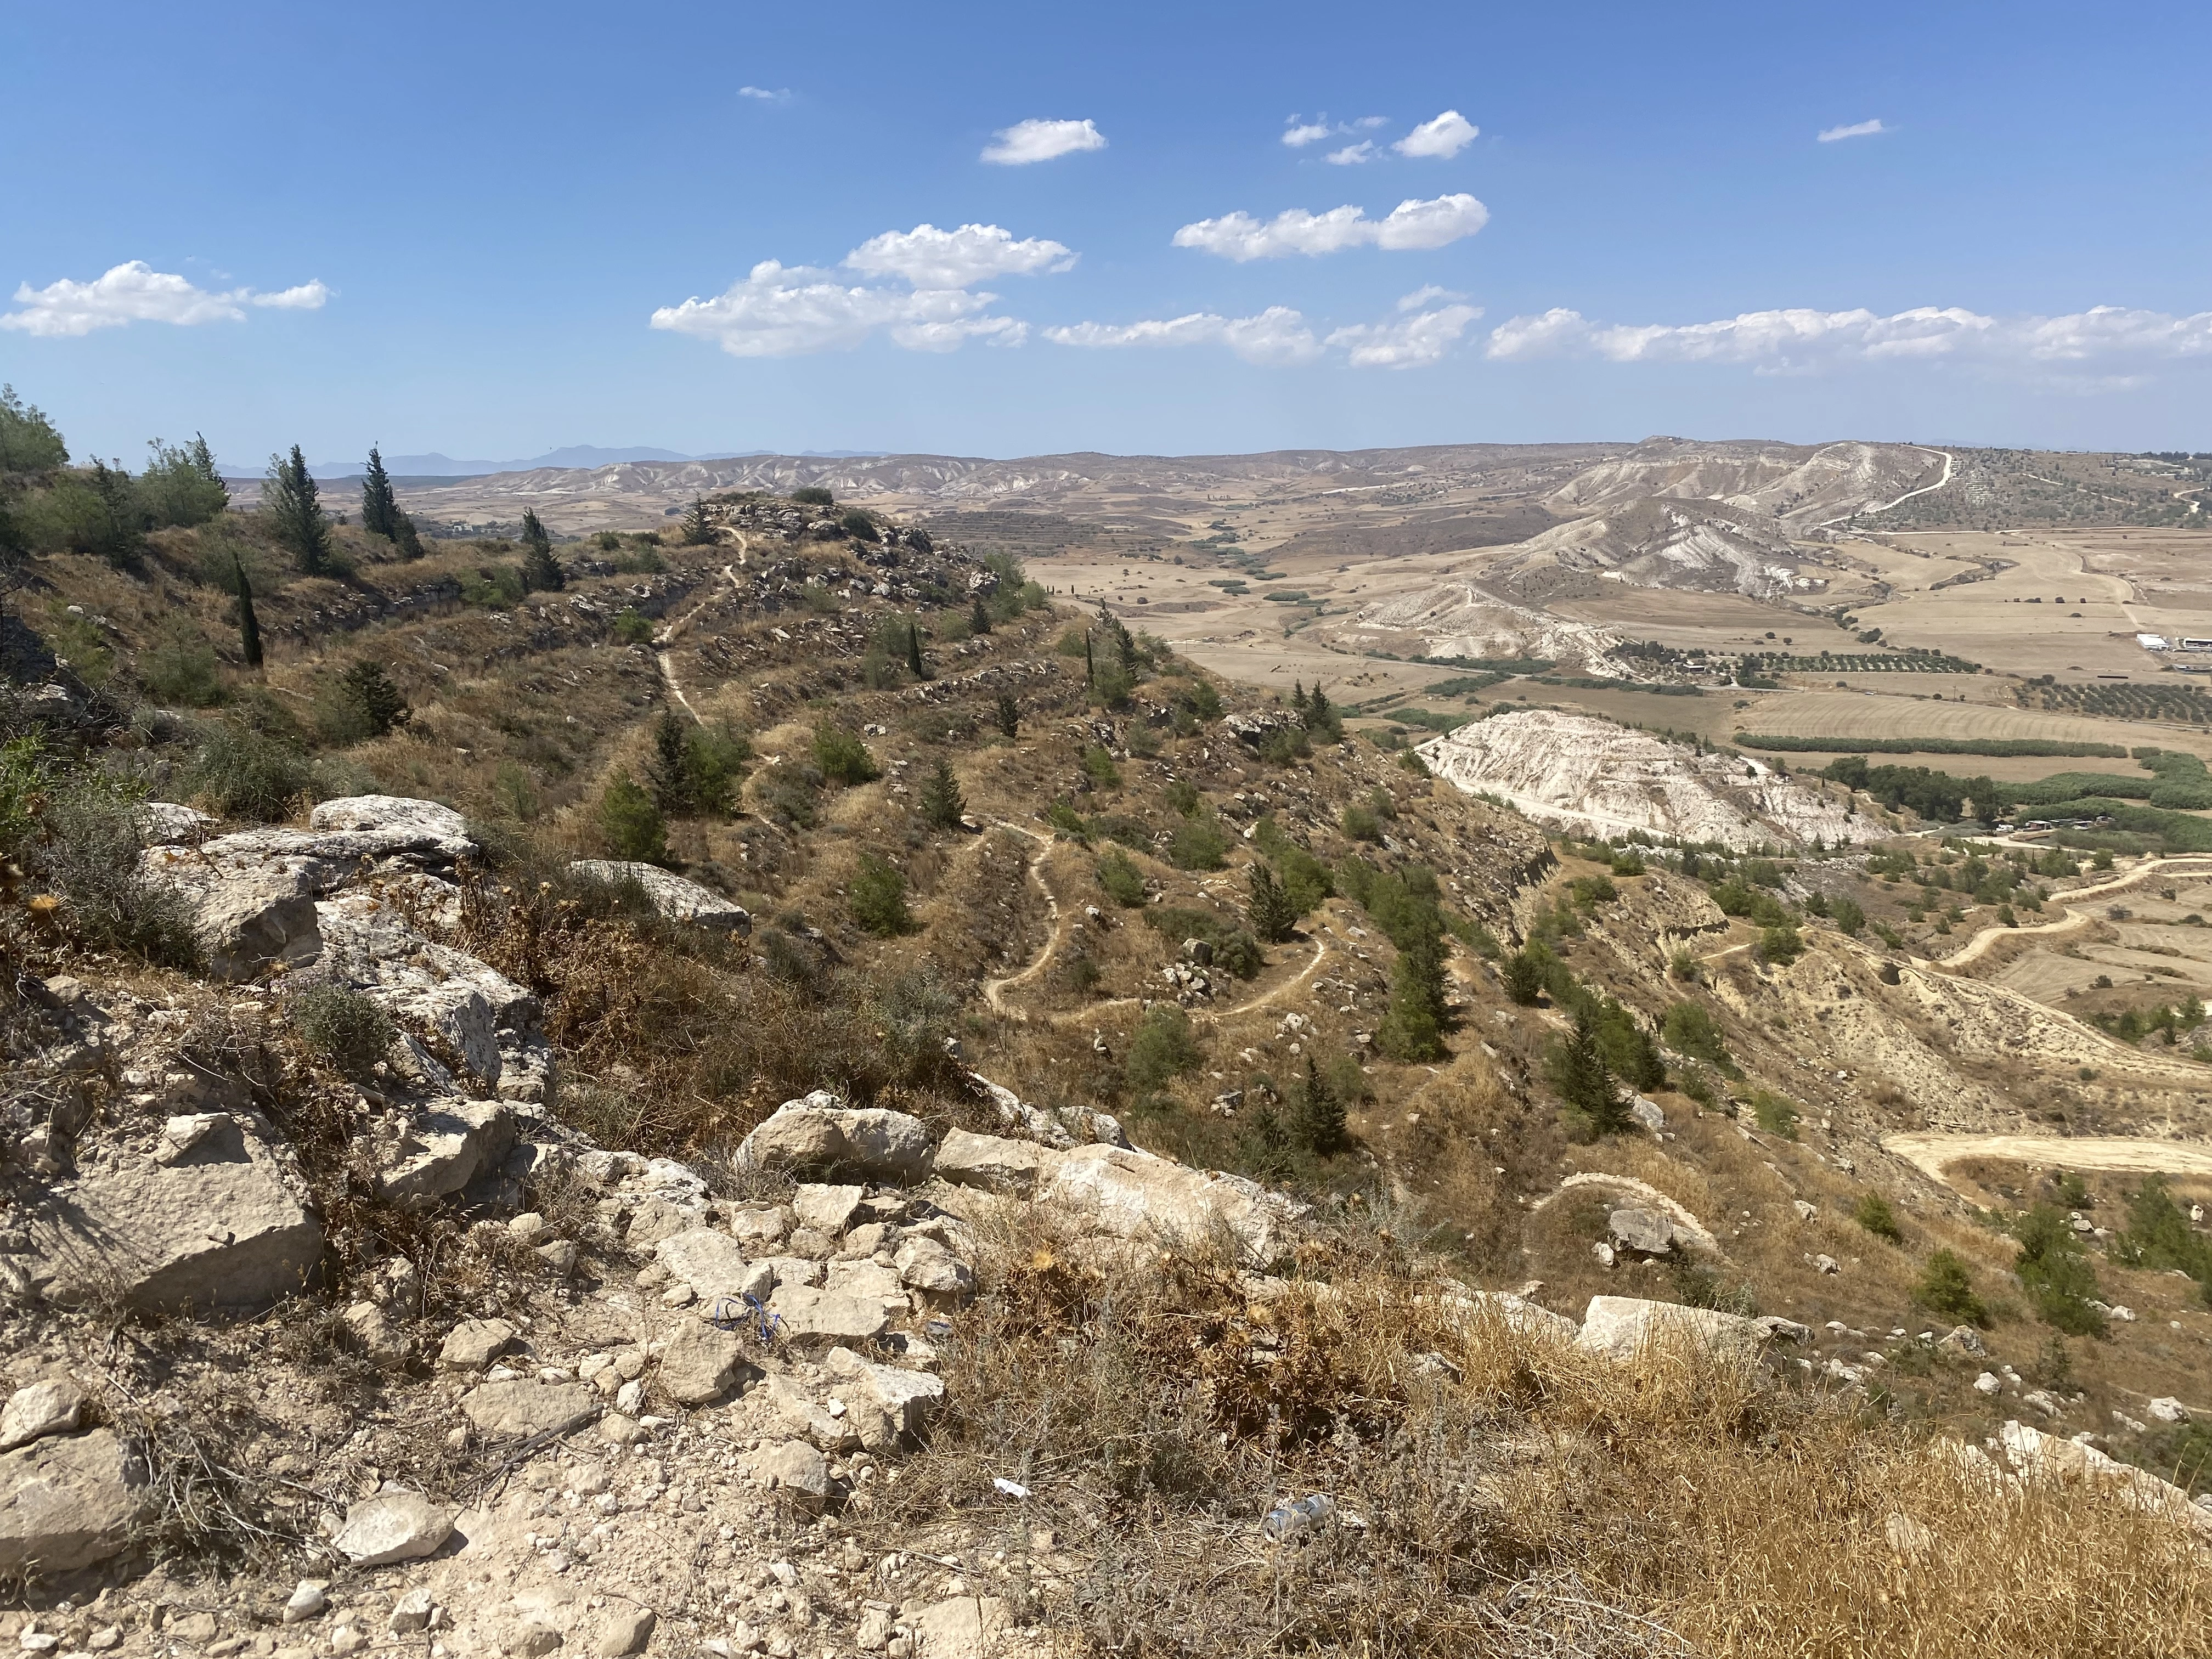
x,y
1933,1154
994,990
1974,949
666,659
1926,489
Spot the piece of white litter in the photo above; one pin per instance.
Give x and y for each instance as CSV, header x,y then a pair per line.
x,y
1011,1488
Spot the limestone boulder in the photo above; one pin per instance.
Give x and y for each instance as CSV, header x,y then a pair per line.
x,y
820,1135
804,1313
221,1228
992,1162
396,825
1624,1327
712,1264
246,911
53,1406
908,1396
523,1407
393,1526
68,1502
672,895
794,1468
1647,1231
1140,1196
703,1363
447,1146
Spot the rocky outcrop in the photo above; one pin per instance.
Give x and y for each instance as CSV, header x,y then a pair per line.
x,y
1626,1329
444,1148
821,1135
671,895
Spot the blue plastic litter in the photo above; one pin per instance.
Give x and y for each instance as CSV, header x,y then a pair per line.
x,y
736,1312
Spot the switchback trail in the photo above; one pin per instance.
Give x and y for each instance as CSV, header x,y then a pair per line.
x,y
2195,863
994,989
1932,1154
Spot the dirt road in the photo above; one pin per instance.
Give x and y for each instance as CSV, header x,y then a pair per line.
x,y
2195,864
1932,1154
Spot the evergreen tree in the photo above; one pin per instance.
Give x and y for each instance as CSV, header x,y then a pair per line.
x,y
668,774
1009,715
121,529
541,571
979,616
914,653
29,441
249,626
403,536
1586,1083
295,508
697,528
1412,1025
631,824
942,803
370,693
1124,642
379,508
1317,1122
1272,912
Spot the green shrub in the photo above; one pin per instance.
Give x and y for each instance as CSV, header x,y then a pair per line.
x,y
843,758
631,824
1781,945
1774,1115
346,1028
1874,1213
1272,914
1946,1287
182,670
83,845
1306,880
1098,766
1162,1049
878,897
2159,1238
362,704
244,773
1068,821
1121,880
2054,1271
632,626
943,806
1234,951
1524,978
1199,844
860,526
813,495
1690,1029
791,793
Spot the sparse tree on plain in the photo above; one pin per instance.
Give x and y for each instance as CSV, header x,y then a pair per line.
x,y
943,806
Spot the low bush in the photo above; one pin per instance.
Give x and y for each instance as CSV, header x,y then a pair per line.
x,y
877,898
347,1029
1122,882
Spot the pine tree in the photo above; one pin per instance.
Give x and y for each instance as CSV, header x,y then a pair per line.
x,y
1009,714
1586,1083
541,571
1412,1025
668,774
942,803
979,616
1124,642
121,531
295,508
914,653
1272,912
697,528
203,460
1318,1123
370,693
249,626
1089,662
403,536
379,508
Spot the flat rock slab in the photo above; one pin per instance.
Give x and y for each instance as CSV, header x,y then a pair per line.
x,y
1647,1231
703,1363
964,1627
714,1264
393,1526
820,1135
829,1209
472,1344
1624,1327
524,1407
806,1312
907,1395
992,1162
68,1502
672,895
447,1146
41,1409
1137,1195
220,1230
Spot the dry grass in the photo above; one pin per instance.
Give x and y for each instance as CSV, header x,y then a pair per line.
x,y
1516,1497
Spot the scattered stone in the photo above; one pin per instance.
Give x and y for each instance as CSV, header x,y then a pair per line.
x,y
828,1210
1602,1253
393,1526
474,1343
1620,1326
626,1631
927,1266
2167,1409
702,1363
310,1598
963,1627
530,1639
411,1612
992,1162
795,1469
66,1503
623,1430
908,1396
1804,1211
54,1407
1826,1264
712,1264
1647,1113
807,1313
524,1407
447,1146
1644,1230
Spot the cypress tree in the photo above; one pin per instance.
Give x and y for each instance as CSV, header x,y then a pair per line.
x,y
942,803
403,536
379,509
541,571
294,506
1089,662
914,653
698,527
979,616
1318,1123
249,626
668,774
1272,913
1009,714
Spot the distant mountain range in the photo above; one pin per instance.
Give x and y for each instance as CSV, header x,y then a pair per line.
x,y
434,465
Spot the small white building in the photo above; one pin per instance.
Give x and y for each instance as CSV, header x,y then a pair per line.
x,y
2153,641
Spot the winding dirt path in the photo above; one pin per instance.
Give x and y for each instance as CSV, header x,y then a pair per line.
x,y
664,660
1933,1154
1926,489
994,990
1974,949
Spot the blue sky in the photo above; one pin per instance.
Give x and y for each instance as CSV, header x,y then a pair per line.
x,y
454,228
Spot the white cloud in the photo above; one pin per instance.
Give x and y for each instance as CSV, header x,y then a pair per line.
x,y
1411,224
789,311
1042,141
1413,340
1352,154
134,292
1856,129
1276,335
766,94
929,258
1279,336
307,296
1806,341
1372,121
1442,139
1298,133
